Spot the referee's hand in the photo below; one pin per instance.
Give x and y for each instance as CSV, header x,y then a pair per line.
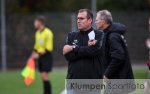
x,y
34,55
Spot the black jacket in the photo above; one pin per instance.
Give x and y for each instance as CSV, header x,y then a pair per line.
x,y
117,62
84,61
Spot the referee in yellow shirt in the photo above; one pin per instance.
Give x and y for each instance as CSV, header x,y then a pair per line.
x,y
42,51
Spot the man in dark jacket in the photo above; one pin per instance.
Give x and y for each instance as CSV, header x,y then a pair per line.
x,y
83,49
117,62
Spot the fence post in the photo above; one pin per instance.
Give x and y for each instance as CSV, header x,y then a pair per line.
x,y
94,10
73,22
3,36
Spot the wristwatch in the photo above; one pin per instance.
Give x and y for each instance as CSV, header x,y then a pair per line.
x,y
74,46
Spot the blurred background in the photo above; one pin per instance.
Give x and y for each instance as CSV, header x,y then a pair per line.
x,y
17,31
61,18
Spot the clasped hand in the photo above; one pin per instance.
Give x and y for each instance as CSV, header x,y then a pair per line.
x,y
69,48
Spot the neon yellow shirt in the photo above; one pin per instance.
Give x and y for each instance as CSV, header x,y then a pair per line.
x,y
43,40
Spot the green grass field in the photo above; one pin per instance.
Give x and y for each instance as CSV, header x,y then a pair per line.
x,y
12,82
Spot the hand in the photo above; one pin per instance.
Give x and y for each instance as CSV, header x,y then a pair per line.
x,y
92,42
105,79
34,55
67,49
43,52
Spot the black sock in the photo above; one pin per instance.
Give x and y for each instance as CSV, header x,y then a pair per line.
x,y
47,87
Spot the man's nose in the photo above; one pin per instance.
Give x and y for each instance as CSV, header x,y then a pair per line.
x,y
78,21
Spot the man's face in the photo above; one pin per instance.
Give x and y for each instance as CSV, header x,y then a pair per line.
x,y
83,22
37,24
99,22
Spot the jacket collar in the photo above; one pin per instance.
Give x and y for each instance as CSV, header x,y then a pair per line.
x,y
107,29
86,32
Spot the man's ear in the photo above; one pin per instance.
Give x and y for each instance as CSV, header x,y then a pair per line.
x,y
90,20
103,21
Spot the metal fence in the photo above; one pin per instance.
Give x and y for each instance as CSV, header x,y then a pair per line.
x,y
20,35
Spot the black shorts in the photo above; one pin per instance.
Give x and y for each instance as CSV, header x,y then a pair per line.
x,y
45,62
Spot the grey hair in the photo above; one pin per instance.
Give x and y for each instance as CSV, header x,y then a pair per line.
x,y
105,15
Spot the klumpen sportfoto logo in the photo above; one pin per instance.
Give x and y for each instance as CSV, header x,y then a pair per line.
x,y
113,86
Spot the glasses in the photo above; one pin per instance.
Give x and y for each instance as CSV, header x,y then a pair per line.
x,y
80,18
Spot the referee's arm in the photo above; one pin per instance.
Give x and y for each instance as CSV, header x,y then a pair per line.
x,y
49,42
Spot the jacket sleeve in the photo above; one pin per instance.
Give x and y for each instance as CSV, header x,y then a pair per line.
x,y
71,56
117,53
88,51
